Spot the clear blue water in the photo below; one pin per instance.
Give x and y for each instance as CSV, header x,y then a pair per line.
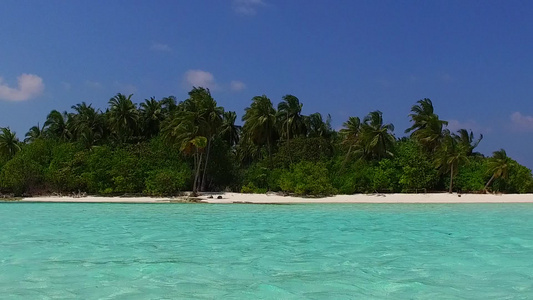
x,y
187,251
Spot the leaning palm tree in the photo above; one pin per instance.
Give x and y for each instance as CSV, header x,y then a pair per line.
x,y
377,139
9,143
450,156
498,166
123,117
427,128
35,133
260,124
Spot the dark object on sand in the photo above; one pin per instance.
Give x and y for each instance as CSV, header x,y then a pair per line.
x,y
219,197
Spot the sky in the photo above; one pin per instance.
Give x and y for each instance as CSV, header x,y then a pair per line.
x,y
473,59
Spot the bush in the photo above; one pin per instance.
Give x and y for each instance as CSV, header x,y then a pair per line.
x,y
65,170
307,178
302,149
166,182
472,176
250,188
418,170
355,178
20,175
257,176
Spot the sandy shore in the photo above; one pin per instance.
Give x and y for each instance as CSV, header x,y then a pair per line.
x,y
277,199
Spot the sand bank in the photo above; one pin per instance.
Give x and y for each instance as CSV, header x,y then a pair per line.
x,y
278,199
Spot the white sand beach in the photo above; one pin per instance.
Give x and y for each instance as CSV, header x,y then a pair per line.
x,y
278,199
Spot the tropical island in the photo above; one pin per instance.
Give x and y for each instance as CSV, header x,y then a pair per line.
x,y
164,147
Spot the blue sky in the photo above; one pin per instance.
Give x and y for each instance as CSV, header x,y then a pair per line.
x,y
345,58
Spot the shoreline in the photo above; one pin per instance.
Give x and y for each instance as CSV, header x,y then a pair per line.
x,y
239,198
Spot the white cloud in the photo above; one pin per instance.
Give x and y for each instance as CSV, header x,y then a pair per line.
x,y
521,122
199,78
29,86
237,85
247,7
160,47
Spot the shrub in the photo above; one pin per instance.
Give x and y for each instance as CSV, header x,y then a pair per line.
x,y
307,178
19,175
64,172
166,181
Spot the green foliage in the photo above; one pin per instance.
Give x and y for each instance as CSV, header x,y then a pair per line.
x,y
19,175
96,175
386,176
418,171
307,178
250,188
256,176
302,149
127,173
472,176
223,169
25,172
167,181
122,151
66,167
519,180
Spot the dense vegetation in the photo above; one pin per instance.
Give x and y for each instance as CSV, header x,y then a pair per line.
x,y
162,147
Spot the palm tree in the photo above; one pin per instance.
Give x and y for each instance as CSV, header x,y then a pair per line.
x,y
351,134
466,140
87,124
182,130
168,105
35,132
151,115
203,118
210,116
450,156
123,117
427,128
260,123
57,125
9,143
229,131
377,138
290,121
316,127
498,166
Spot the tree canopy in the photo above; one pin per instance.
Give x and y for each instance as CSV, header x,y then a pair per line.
x,y
164,146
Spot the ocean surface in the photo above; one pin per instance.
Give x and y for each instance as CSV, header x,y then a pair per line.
x,y
310,251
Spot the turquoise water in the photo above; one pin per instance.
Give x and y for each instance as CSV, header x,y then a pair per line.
x,y
187,251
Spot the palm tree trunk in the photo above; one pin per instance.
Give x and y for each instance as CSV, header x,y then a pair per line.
x,y
198,160
488,183
451,179
345,159
204,183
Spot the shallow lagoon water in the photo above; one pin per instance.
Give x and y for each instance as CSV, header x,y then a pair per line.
x,y
310,251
